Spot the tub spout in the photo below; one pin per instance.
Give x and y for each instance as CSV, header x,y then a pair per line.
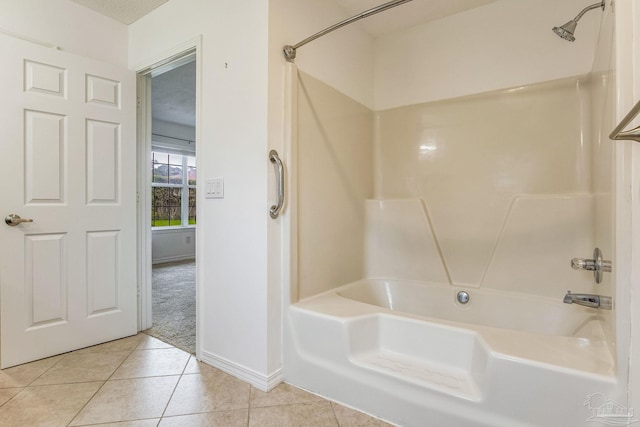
x,y
588,300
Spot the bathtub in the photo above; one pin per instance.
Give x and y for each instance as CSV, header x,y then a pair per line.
x,y
408,352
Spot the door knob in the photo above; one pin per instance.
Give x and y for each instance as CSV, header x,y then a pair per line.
x,y
14,220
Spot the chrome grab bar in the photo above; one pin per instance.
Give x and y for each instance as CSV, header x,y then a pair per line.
x,y
632,134
274,210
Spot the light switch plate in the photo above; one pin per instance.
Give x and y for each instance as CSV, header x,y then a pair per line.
x,y
214,188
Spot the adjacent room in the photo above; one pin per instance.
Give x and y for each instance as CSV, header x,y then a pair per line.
x,y
173,204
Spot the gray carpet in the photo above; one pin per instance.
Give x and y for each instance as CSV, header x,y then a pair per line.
x,y
174,304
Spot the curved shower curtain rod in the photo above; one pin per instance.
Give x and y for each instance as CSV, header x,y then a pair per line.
x,y
290,50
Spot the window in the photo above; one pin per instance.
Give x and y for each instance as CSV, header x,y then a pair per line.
x,y
173,192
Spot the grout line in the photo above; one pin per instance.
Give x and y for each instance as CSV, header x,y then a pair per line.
x,y
86,403
14,396
333,411
249,406
64,355
103,384
173,392
174,388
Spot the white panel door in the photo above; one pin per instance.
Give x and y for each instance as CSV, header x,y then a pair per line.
x,y
67,149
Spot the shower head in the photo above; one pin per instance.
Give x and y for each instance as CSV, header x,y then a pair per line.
x,y
566,31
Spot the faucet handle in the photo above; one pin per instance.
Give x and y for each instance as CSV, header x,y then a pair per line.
x,y
583,264
597,265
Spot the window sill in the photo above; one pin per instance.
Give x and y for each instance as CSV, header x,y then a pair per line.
x,y
174,228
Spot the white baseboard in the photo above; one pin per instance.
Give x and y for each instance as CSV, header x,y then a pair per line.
x,y
173,258
259,381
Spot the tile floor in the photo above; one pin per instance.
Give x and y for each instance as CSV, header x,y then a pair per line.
x,y
142,382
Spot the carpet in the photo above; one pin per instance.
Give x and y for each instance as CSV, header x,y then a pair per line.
x,y
174,304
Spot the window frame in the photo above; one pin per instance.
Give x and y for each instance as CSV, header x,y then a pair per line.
x,y
185,186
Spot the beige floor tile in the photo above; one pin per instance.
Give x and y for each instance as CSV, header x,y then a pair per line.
x,y
50,405
124,344
153,422
149,342
284,394
83,367
317,414
208,392
126,400
23,375
195,367
350,418
153,363
8,393
236,418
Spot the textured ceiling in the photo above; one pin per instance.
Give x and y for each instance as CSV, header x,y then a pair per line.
x,y
125,11
404,16
173,95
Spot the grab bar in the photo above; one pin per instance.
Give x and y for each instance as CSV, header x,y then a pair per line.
x,y
274,210
633,134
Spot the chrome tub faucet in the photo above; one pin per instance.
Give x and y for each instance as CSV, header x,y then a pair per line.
x,y
588,300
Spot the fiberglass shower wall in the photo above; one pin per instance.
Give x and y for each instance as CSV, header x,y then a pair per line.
x,y
335,177
504,176
481,154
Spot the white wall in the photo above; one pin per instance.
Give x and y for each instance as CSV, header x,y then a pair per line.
x,y
232,232
173,244
500,45
342,59
68,25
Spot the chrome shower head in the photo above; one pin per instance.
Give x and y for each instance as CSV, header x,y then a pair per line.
x,y
566,31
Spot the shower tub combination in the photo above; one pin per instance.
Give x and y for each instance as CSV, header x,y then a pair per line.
x,y
410,353
403,344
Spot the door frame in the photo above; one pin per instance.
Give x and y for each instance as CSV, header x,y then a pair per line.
x,y
171,57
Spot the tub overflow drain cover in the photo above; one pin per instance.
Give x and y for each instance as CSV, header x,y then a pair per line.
x,y
463,297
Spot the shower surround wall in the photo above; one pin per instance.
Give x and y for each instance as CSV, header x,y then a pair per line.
x,y
505,181
335,176
478,69
489,190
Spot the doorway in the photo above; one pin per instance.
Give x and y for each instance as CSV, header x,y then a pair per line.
x,y
167,214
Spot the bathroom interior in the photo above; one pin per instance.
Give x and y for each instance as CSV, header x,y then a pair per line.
x,y
441,175
432,230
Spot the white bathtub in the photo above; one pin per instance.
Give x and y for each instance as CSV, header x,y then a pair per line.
x,y
409,353
497,309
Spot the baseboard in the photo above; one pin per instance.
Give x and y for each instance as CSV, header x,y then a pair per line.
x,y
173,258
259,381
